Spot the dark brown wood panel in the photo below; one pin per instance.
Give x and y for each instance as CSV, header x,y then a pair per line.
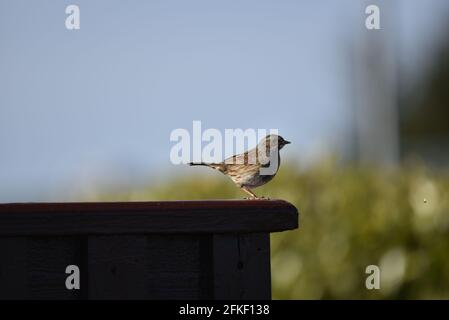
x,y
172,253
47,259
233,216
13,268
140,250
241,266
116,267
173,266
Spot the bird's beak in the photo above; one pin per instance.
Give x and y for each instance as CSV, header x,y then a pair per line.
x,y
286,142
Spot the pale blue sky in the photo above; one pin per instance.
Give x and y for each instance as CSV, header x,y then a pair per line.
x,y
79,106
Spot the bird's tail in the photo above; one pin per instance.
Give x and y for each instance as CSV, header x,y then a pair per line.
x,y
219,166
198,164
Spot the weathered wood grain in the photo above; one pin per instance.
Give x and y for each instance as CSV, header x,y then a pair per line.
x,y
241,267
173,266
140,250
233,216
47,259
116,267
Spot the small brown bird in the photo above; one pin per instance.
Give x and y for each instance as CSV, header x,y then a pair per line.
x,y
254,167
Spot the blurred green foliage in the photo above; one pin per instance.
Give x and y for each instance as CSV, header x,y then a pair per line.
x,y
350,217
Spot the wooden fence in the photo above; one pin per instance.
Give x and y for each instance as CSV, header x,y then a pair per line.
x,y
140,250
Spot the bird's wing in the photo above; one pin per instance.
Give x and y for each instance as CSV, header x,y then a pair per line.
x,y
246,158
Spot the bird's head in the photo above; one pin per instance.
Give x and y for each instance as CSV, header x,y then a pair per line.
x,y
274,139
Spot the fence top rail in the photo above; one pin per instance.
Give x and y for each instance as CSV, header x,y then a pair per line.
x,y
149,217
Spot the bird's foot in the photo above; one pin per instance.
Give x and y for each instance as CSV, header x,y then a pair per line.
x,y
256,198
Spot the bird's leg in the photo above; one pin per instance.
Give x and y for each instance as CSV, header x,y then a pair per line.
x,y
248,191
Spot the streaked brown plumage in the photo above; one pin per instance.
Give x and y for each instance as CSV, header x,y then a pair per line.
x,y
246,169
